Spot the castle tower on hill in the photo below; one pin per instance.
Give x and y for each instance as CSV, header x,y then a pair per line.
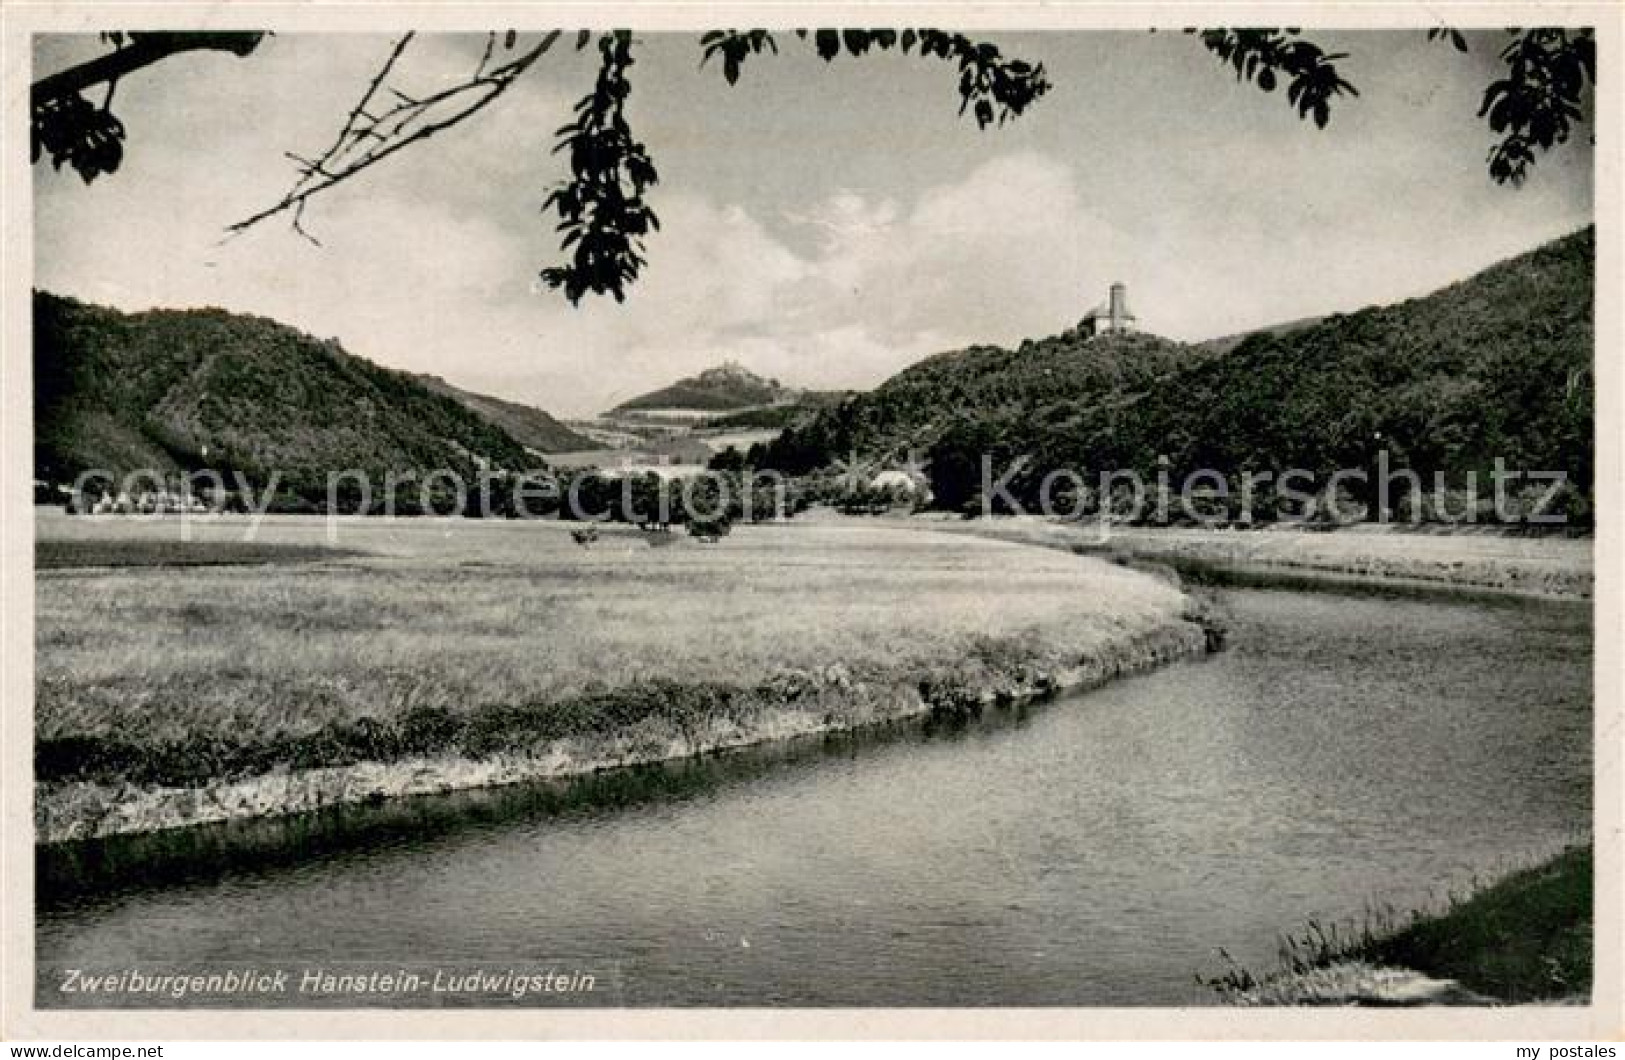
x,y
1111,315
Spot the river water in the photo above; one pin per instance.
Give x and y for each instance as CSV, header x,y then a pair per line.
x,y
1347,751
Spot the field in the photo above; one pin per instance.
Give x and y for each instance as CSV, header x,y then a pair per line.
x,y
1460,558
123,552
477,639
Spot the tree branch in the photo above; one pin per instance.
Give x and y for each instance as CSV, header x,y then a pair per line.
x,y
71,129
366,139
143,50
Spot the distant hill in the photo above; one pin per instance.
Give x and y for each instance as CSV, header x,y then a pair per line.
x,y
181,390
1498,365
527,425
722,389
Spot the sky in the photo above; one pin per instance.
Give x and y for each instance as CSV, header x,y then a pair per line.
x,y
824,224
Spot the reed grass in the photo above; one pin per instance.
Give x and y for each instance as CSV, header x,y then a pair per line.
x,y
1523,938
478,636
1551,566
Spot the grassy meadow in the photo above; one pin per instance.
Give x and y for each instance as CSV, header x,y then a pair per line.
x,y
1459,558
122,552
410,637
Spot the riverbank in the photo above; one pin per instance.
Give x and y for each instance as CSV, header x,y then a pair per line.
x,y
1466,558
1523,939
925,864
451,655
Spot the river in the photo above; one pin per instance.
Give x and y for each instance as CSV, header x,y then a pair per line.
x,y
1348,750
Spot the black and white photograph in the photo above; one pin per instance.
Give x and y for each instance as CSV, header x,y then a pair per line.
x,y
878,512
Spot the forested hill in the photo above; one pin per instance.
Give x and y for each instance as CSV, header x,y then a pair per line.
x,y
986,386
526,424
181,390
1498,365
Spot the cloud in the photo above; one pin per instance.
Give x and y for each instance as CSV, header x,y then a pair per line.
x,y
1007,250
991,257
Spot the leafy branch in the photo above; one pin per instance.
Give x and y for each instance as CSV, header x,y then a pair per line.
x,y
70,129
1539,100
1457,41
994,87
1535,106
1265,56
601,208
